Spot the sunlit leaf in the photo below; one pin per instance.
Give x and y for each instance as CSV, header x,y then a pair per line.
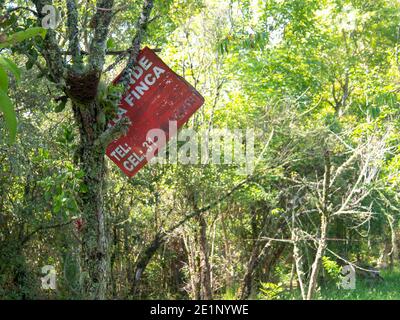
x,y
110,43
3,80
10,117
10,66
23,35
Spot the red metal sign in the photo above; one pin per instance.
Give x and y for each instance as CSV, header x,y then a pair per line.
x,y
156,96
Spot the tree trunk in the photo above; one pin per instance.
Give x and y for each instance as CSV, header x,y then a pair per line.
x,y
394,252
95,255
227,254
193,265
205,271
247,282
324,211
298,262
143,260
317,260
272,259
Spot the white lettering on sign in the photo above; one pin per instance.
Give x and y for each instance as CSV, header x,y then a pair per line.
x,y
155,96
133,161
149,80
136,92
121,152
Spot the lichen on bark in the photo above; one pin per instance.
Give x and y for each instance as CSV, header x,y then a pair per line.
x,y
79,83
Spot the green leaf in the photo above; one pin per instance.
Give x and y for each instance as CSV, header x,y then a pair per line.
x,y
61,106
33,55
9,21
110,43
10,117
29,64
10,66
3,80
23,35
375,112
41,75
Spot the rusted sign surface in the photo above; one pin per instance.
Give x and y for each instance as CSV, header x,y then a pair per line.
x,y
156,96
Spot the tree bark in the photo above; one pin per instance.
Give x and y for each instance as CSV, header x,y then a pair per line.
x,y
324,211
95,255
317,260
247,282
79,83
394,252
205,271
143,260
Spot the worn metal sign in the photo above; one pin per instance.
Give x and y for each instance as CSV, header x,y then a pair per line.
x,y
156,96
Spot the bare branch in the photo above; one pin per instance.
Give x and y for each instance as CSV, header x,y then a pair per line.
x,y
346,165
108,52
23,8
45,227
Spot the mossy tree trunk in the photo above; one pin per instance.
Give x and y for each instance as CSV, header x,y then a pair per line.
x,y
95,258
78,79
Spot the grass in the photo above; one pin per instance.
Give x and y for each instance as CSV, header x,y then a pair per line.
x,y
389,289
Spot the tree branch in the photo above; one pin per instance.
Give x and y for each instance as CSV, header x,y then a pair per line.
x,y
51,51
40,228
108,52
73,33
23,8
162,236
141,26
102,20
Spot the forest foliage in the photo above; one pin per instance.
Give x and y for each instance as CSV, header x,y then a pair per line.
x,y
317,80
